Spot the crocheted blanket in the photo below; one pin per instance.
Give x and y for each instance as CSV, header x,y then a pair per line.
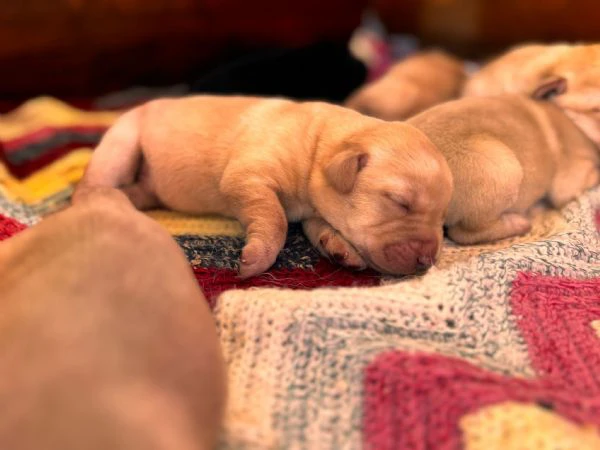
x,y
498,347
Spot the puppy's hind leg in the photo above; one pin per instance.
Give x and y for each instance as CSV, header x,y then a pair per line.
x,y
572,179
485,202
331,244
507,225
117,158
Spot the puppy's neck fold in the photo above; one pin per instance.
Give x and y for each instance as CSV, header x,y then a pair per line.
x,y
293,188
570,136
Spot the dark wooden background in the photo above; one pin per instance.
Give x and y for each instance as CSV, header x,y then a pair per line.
x,y
85,47
478,27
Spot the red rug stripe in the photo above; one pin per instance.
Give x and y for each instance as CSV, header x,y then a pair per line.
x,y
554,315
9,227
215,281
415,401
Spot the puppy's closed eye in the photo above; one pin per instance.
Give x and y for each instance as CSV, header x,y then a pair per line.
x,y
400,202
550,88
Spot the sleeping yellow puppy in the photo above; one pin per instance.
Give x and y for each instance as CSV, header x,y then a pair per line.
x,y
507,153
382,185
410,86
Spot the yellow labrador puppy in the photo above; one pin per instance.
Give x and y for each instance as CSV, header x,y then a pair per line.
x,y
106,341
507,153
411,86
382,185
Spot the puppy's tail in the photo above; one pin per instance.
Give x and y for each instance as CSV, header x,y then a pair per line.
x,y
117,158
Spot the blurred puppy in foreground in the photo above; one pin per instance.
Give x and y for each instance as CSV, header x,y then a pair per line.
x,y
106,341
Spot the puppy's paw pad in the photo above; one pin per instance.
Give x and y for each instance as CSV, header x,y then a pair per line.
x,y
517,223
341,251
255,259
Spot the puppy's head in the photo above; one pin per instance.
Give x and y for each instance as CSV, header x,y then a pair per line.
x,y
568,75
387,190
520,70
574,85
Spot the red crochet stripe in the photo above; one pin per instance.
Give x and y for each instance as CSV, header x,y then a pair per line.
x,y
554,315
9,227
414,401
598,220
214,281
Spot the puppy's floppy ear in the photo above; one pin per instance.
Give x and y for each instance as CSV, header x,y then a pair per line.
x,y
342,169
550,87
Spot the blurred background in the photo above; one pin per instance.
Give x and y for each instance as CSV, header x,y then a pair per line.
x,y
88,48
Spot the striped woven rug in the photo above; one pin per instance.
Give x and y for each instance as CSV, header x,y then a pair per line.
x,y
498,347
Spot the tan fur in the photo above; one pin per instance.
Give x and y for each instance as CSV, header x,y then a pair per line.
x,y
526,68
106,341
265,162
507,153
411,86
520,70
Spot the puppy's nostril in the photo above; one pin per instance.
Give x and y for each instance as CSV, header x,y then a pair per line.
x,y
340,258
425,260
424,263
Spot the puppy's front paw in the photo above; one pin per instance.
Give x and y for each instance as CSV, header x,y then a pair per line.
x,y
256,258
338,249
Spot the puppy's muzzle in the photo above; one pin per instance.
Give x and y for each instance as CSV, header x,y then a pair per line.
x,y
412,256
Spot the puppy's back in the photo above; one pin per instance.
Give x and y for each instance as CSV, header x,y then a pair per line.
x,y
410,86
510,118
503,151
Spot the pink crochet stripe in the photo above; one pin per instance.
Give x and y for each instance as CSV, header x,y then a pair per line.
x,y
414,401
9,227
597,220
554,315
